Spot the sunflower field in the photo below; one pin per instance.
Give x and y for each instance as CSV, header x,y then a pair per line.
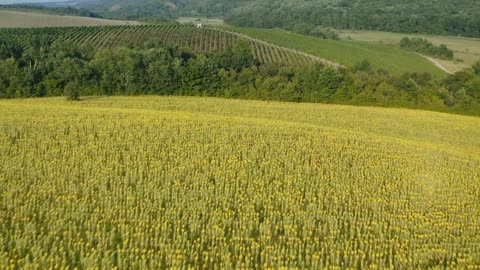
x,y
203,183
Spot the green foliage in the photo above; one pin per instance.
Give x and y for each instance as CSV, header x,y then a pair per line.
x,y
390,58
130,10
363,65
87,40
236,58
52,10
303,28
324,32
63,68
316,31
476,68
9,49
72,91
404,16
424,46
160,9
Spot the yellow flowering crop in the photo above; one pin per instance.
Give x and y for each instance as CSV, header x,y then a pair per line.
x,y
202,183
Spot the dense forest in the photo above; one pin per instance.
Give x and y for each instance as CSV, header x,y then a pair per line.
x,y
161,9
406,16
443,17
64,68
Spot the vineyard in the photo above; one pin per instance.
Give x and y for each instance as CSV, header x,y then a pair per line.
x,y
196,39
201,183
347,52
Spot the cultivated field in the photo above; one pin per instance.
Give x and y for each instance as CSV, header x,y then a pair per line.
x,y
14,19
198,40
388,57
466,49
179,182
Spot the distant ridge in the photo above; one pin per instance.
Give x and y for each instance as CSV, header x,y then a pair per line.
x,y
22,19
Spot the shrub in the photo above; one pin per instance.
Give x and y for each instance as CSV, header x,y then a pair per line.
x,y
72,91
426,47
325,33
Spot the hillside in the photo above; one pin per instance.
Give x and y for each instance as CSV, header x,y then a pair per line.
x,y
50,8
163,9
240,134
173,59
381,56
466,50
198,40
20,19
153,182
453,17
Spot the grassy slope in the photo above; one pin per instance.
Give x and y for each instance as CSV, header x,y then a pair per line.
x,y
136,162
13,19
389,57
466,49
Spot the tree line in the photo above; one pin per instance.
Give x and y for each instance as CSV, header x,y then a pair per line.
x,y
64,68
442,17
424,46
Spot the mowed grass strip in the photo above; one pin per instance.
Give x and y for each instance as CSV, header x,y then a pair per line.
x,y
465,49
381,56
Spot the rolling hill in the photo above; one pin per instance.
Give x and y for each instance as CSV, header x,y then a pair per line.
x,y
160,145
466,50
454,17
381,56
181,182
444,17
126,9
196,39
17,19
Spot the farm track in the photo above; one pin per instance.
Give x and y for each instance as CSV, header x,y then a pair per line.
x,y
437,64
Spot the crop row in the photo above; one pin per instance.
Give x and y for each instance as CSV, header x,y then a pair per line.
x,y
196,39
221,186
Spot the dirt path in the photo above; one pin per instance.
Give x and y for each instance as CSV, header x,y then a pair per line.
x,y
436,63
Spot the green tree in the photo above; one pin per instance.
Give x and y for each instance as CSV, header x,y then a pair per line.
x,y
238,57
200,77
476,68
72,91
72,76
324,32
10,49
